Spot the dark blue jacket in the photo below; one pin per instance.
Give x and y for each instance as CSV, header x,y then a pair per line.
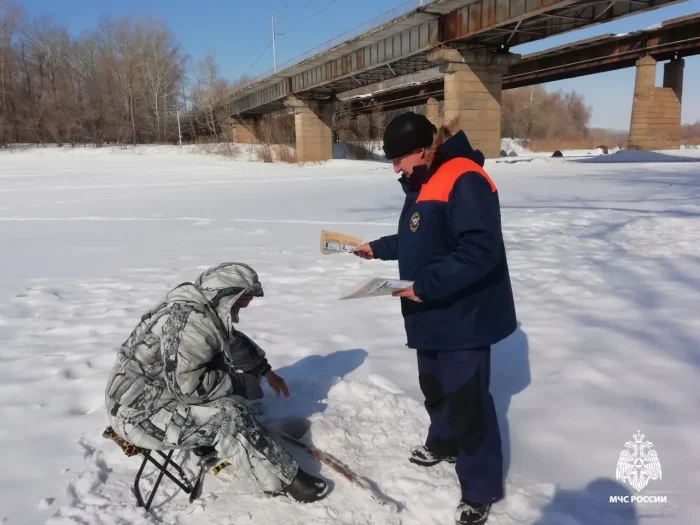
x,y
450,243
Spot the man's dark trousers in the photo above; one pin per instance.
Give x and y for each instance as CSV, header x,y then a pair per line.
x,y
463,419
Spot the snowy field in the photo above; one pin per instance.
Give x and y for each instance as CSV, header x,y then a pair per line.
x,y
605,262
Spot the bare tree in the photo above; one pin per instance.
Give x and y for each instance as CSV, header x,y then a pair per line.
x,y
205,95
162,73
46,48
534,113
691,131
10,17
119,83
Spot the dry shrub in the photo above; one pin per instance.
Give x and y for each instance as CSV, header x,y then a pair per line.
x,y
265,152
16,148
224,149
276,128
276,136
285,154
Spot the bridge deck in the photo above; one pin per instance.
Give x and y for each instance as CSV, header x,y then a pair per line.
x,y
401,45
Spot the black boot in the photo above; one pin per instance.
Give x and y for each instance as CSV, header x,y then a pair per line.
x,y
471,513
305,488
424,457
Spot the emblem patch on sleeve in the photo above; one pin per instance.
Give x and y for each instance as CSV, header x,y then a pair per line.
x,y
415,221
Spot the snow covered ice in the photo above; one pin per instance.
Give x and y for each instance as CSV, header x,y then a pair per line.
x,y
604,253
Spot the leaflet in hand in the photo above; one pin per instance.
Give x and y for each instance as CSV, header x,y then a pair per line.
x,y
378,287
332,242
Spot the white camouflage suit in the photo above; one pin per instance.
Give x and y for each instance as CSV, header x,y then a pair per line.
x,y
181,378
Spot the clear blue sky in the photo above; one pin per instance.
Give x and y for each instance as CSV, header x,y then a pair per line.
x,y
239,31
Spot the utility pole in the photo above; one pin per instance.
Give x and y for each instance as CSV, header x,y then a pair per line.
x,y
274,54
274,51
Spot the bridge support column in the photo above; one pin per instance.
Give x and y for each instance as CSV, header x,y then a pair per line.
x,y
656,111
312,123
432,111
473,85
243,131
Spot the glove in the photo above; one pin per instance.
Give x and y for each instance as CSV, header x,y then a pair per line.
x,y
246,385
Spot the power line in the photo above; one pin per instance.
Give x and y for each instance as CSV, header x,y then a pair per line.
x,y
318,11
300,10
402,5
312,15
307,4
326,6
258,59
274,54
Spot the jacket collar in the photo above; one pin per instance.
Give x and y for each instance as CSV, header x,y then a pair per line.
x,y
457,146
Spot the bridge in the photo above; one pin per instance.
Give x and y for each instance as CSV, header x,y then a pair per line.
x,y
670,40
468,41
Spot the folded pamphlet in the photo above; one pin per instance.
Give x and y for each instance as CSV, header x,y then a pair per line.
x,y
378,287
333,242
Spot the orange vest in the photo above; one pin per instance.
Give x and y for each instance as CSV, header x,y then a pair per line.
x,y
440,185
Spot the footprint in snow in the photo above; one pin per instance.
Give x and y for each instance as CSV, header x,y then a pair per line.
x,y
76,411
68,373
45,503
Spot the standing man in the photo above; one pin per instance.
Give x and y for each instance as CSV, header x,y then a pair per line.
x,y
450,244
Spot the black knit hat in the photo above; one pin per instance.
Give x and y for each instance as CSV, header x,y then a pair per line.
x,y
407,133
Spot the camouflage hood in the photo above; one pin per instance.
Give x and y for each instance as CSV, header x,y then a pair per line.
x,y
224,284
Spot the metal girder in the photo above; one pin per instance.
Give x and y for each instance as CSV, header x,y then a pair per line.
x,y
672,39
564,17
500,23
394,83
610,6
512,32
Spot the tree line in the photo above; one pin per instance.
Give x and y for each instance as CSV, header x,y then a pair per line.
x,y
536,114
125,82
128,82
691,132
545,119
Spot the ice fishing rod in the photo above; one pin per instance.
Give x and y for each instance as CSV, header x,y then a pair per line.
x,y
343,470
323,457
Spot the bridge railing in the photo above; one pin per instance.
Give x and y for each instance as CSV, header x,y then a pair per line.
x,y
385,17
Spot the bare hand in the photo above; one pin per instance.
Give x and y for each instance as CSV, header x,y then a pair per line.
x,y
364,251
277,383
408,293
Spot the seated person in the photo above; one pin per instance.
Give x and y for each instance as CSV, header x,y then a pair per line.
x,y
183,376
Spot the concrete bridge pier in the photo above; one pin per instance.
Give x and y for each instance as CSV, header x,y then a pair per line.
x,y
243,131
656,111
432,112
473,86
313,127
